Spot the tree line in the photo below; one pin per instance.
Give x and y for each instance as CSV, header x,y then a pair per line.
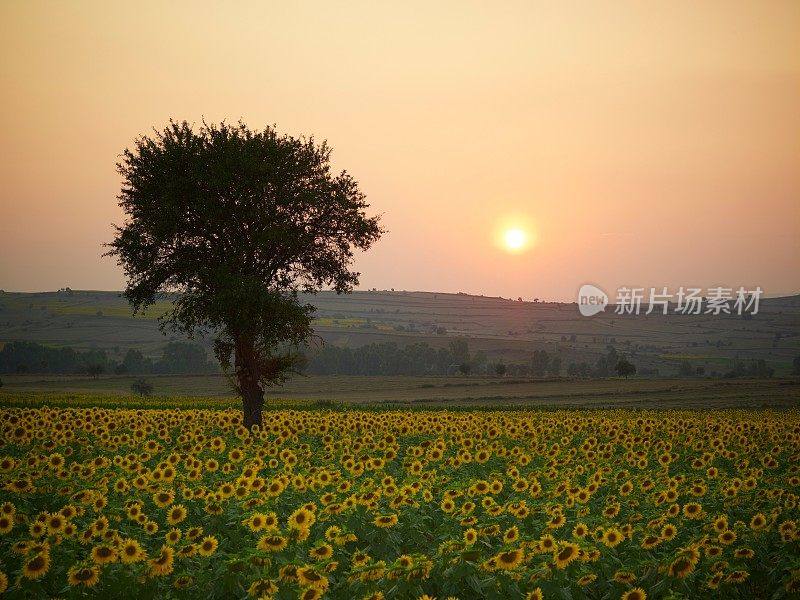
x,y
176,358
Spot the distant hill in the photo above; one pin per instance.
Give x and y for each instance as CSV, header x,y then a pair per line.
x,y
504,330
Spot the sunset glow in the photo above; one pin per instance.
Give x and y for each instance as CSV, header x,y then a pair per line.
x,y
515,239
608,126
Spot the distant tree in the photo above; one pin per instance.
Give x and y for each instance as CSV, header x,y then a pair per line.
x,y
135,362
1,383
465,368
120,369
555,366
700,370
624,368
540,363
685,369
459,348
602,368
796,363
142,387
441,331
95,370
500,369
756,368
238,223
183,357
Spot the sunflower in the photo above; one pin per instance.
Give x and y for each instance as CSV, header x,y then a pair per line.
x,y
173,536
162,564
535,595
176,514
509,559
634,594
208,546
163,498
272,543
668,532
727,537
511,535
385,521
580,530
308,577
310,594
566,554
612,537
102,555
405,561
131,552
547,543
301,519
262,587
681,567
625,577
6,524
470,536
151,527
321,552
37,566
737,576
187,551
83,575
759,521
359,558
692,510
56,522
3,582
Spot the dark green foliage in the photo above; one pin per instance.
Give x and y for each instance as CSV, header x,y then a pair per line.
x,y
755,368
30,357
237,222
685,369
95,370
624,368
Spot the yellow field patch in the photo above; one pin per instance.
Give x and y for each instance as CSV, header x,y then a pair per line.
x,y
364,503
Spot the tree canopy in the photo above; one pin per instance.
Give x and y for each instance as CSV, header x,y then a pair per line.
x,y
238,222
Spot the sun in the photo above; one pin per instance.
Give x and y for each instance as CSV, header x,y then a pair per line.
x,y
514,239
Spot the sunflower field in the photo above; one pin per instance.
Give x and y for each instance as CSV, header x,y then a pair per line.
x,y
396,504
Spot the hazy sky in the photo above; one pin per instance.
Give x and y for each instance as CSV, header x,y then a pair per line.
x,y
642,143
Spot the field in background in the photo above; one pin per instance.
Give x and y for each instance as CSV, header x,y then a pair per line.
x,y
505,330
449,391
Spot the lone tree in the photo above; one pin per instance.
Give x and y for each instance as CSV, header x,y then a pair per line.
x,y
236,222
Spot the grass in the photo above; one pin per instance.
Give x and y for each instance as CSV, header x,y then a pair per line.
x,y
448,391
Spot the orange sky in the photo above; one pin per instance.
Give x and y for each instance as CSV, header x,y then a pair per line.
x,y
647,144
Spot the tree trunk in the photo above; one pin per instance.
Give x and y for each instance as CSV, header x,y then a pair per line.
x,y
247,374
